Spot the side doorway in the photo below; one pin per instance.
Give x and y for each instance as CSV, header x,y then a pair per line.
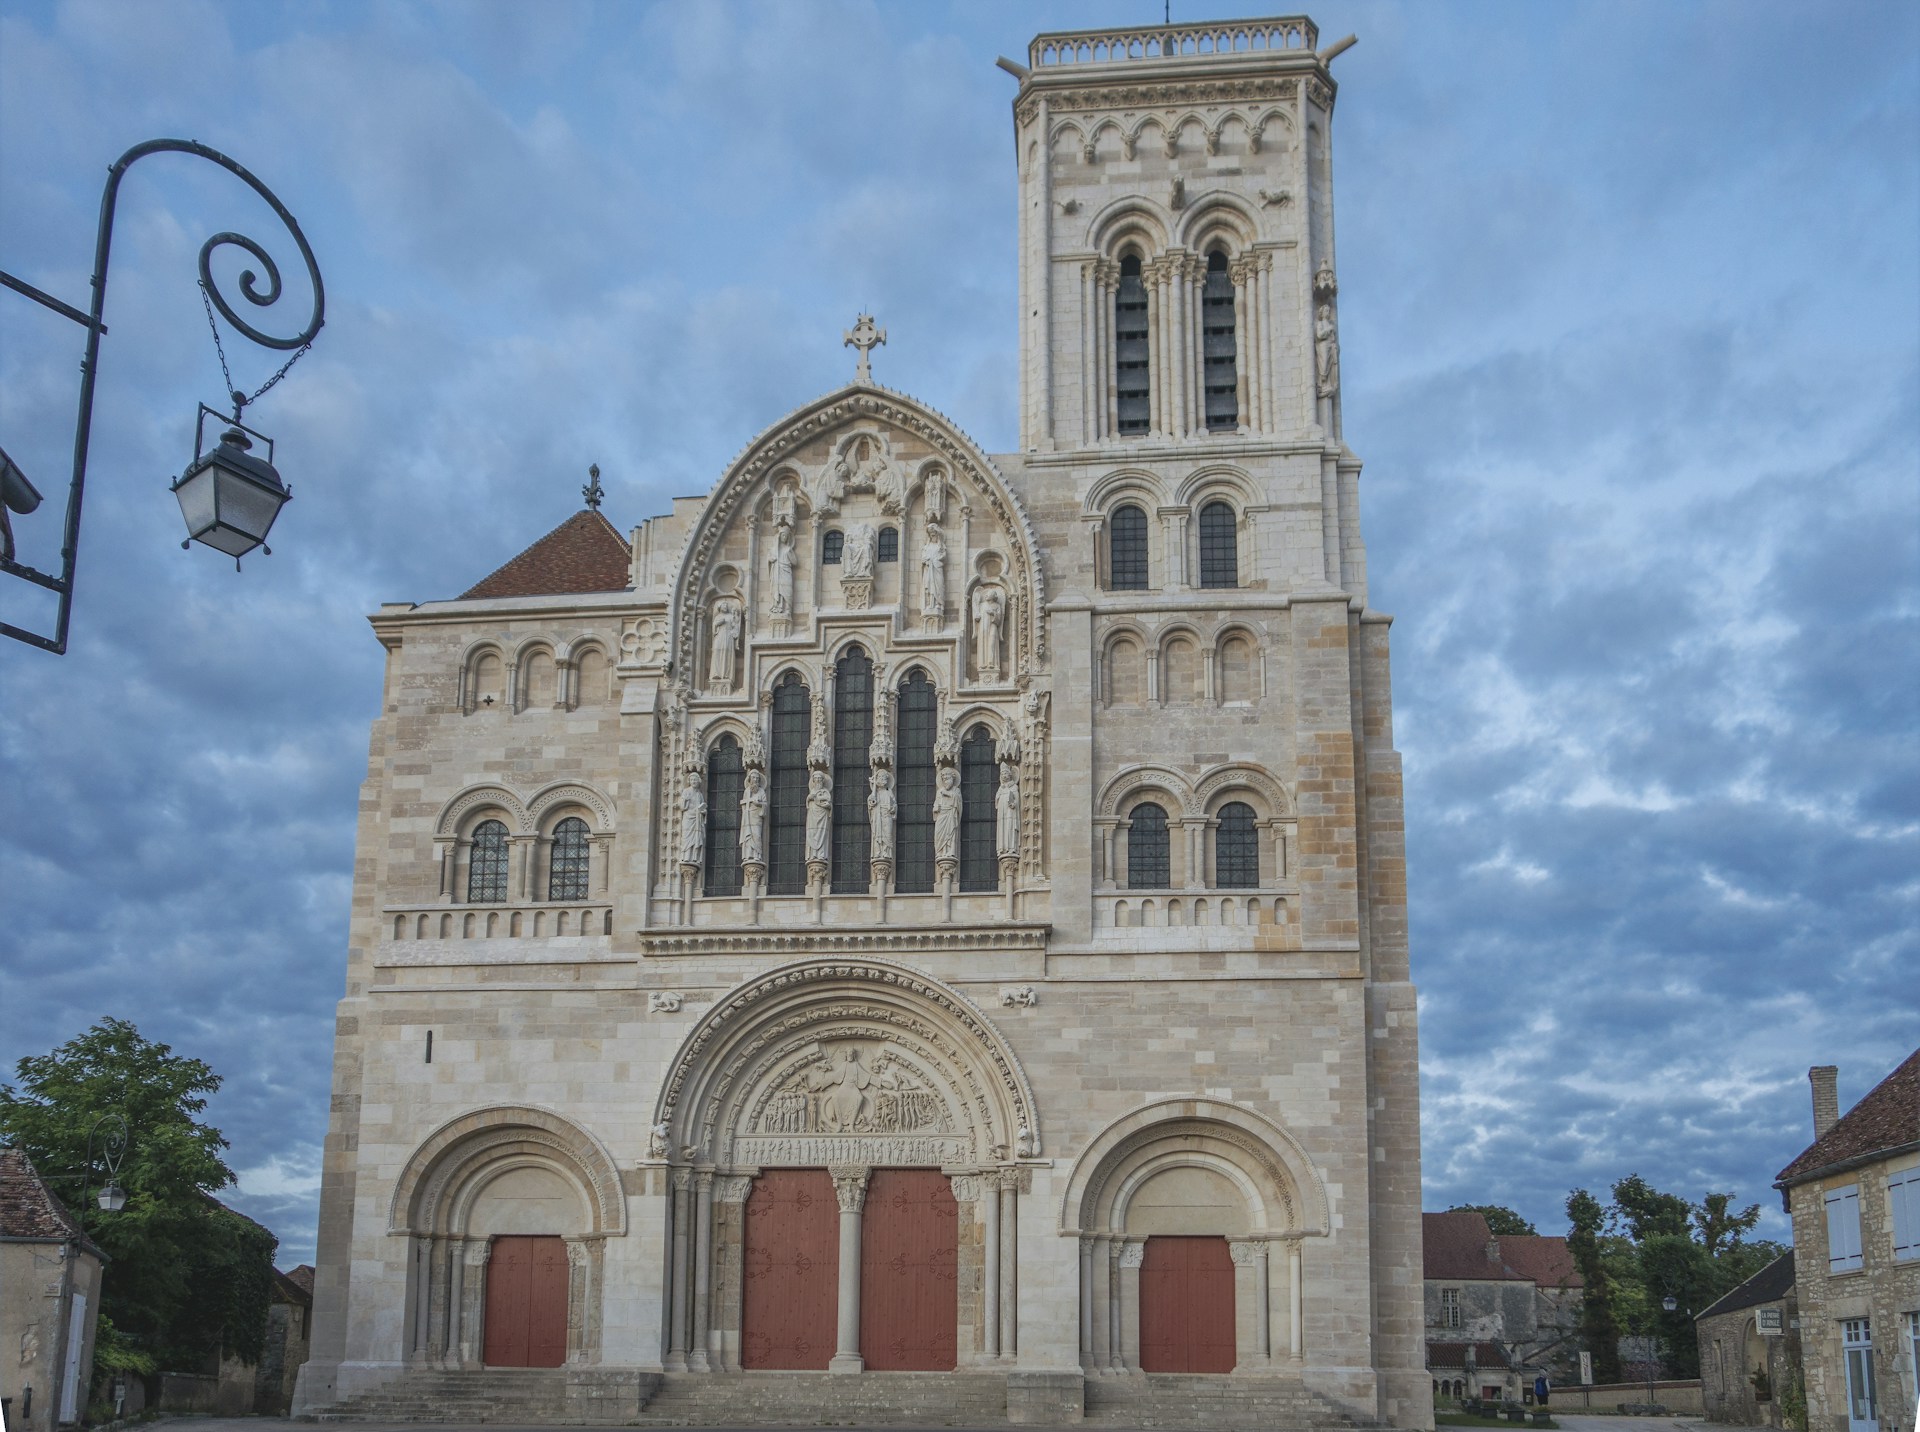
x,y
1186,1306
526,1317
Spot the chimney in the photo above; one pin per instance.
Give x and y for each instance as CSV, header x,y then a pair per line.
x,y
1826,1097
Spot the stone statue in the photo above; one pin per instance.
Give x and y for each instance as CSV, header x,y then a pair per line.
x,y
933,574
886,477
657,1139
856,557
989,605
1326,352
1006,810
946,815
827,487
881,806
781,565
845,1105
753,815
693,820
819,817
721,661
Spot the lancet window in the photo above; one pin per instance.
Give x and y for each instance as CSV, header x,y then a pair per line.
x,y
887,549
726,775
1131,376
1219,546
1219,344
787,788
1236,848
1127,549
913,761
487,864
1148,861
979,788
852,743
567,861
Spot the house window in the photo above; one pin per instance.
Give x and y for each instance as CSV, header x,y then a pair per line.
x,y
852,742
787,788
487,864
567,861
1449,1307
1856,1344
831,547
1127,550
726,774
1913,1353
1216,317
1219,546
913,754
1236,862
888,548
979,788
1843,1228
1148,861
1903,1206
1131,382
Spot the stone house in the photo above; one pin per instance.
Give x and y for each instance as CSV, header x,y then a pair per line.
x,y
1854,1197
1750,1348
49,1302
289,1326
1511,1298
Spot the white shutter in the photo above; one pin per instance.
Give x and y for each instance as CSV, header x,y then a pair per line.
x,y
1903,1203
1843,1228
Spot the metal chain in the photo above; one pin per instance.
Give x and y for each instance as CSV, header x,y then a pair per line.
x,y
241,401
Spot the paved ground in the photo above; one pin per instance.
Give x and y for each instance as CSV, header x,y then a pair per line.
x,y
1569,1422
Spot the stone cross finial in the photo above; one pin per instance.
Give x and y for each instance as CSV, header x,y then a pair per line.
x,y
866,337
593,492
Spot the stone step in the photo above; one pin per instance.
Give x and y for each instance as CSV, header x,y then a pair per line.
x,y
901,1399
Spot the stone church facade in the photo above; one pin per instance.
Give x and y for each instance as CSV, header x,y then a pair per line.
x,y
917,911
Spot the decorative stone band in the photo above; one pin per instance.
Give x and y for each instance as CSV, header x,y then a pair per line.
x,y
998,938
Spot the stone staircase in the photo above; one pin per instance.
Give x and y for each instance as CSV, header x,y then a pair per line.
x,y
520,1395
822,1399
1188,1400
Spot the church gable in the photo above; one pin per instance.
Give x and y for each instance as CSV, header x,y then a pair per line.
x,y
582,554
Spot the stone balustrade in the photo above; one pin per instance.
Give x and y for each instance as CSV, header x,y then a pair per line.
x,y
1093,47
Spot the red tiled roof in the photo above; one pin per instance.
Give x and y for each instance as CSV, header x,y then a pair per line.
x,y
1887,1118
582,554
1460,1245
1452,1355
291,1290
1543,1257
302,1278
29,1210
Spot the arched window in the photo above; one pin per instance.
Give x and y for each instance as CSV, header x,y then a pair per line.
x,y
726,774
787,788
1219,546
1132,385
913,756
979,788
567,861
888,547
1236,848
831,546
1216,318
1148,866
487,864
1127,549
852,742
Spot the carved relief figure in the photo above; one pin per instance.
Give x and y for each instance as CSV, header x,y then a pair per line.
x,y
828,486
857,556
780,565
933,575
881,806
1006,810
721,663
946,815
989,606
693,820
1326,352
845,1104
753,818
845,1095
819,817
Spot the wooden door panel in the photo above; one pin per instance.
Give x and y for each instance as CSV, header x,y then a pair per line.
x,y
526,1316
790,1292
1186,1306
909,1292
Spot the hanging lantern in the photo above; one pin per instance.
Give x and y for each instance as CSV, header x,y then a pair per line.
x,y
229,497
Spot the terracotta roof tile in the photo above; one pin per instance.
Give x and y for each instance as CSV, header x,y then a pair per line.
x,y
28,1208
582,554
1543,1257
302,1277
1460,1245
1887,1118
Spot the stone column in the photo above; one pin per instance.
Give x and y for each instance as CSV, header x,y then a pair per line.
x,y
1132,1253
850,1188
1244,373
1183,331
990,1266
1250,1297
702,1270
1009,1266
473,1302
1086,1302
730,1194
1089,350
677,1273
1263,1283
1195,873
1296,1303
444,851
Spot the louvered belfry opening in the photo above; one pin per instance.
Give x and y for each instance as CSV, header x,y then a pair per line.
x,y
726,774
1219,346
787,788
1131,380
979,787
852,749
913,763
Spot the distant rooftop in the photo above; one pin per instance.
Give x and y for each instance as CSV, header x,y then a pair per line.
x,y
28,1209
583,554
1295,34
1885,1121
1769,1285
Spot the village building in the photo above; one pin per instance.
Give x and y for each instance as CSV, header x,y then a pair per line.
x,y
1500,1309
49,1302
1750,1349
914,928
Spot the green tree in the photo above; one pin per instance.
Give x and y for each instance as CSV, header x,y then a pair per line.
x,y
1502,1221
1599,1322
188,1278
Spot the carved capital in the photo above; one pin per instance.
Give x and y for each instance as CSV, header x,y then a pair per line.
x,y
1245,1253
576,1253
966,1187
478,1252
850,1187
703,1180
682,1178
732,1188
1133,1253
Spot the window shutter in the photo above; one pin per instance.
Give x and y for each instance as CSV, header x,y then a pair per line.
x,y
1843,1228
1903,1203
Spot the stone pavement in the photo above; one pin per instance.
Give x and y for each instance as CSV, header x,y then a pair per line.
x,y
1688,1422
237,1424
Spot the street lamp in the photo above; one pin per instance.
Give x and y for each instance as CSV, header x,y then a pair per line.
x,y
228,496
113,1149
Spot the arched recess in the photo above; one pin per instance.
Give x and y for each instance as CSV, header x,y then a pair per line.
x,y
507,1170
1193,1167
1131,217
453,815
1218,216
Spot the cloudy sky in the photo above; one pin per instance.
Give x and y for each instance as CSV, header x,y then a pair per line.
x,y
1631,297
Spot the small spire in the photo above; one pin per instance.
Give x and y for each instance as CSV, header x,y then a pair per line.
x,y
593,492
866,337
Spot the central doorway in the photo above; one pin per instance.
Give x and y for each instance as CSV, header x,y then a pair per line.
x,y
526,1317
909,1291
1186,1306
789,1286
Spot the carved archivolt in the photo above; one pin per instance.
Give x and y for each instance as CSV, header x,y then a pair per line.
x,y
1133,778
497,798
572,793
1228,777
523,816
855,1062
436,1188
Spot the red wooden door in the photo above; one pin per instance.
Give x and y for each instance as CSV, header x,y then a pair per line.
x,y
1186,1306
792,1271
526,1320
909,1296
